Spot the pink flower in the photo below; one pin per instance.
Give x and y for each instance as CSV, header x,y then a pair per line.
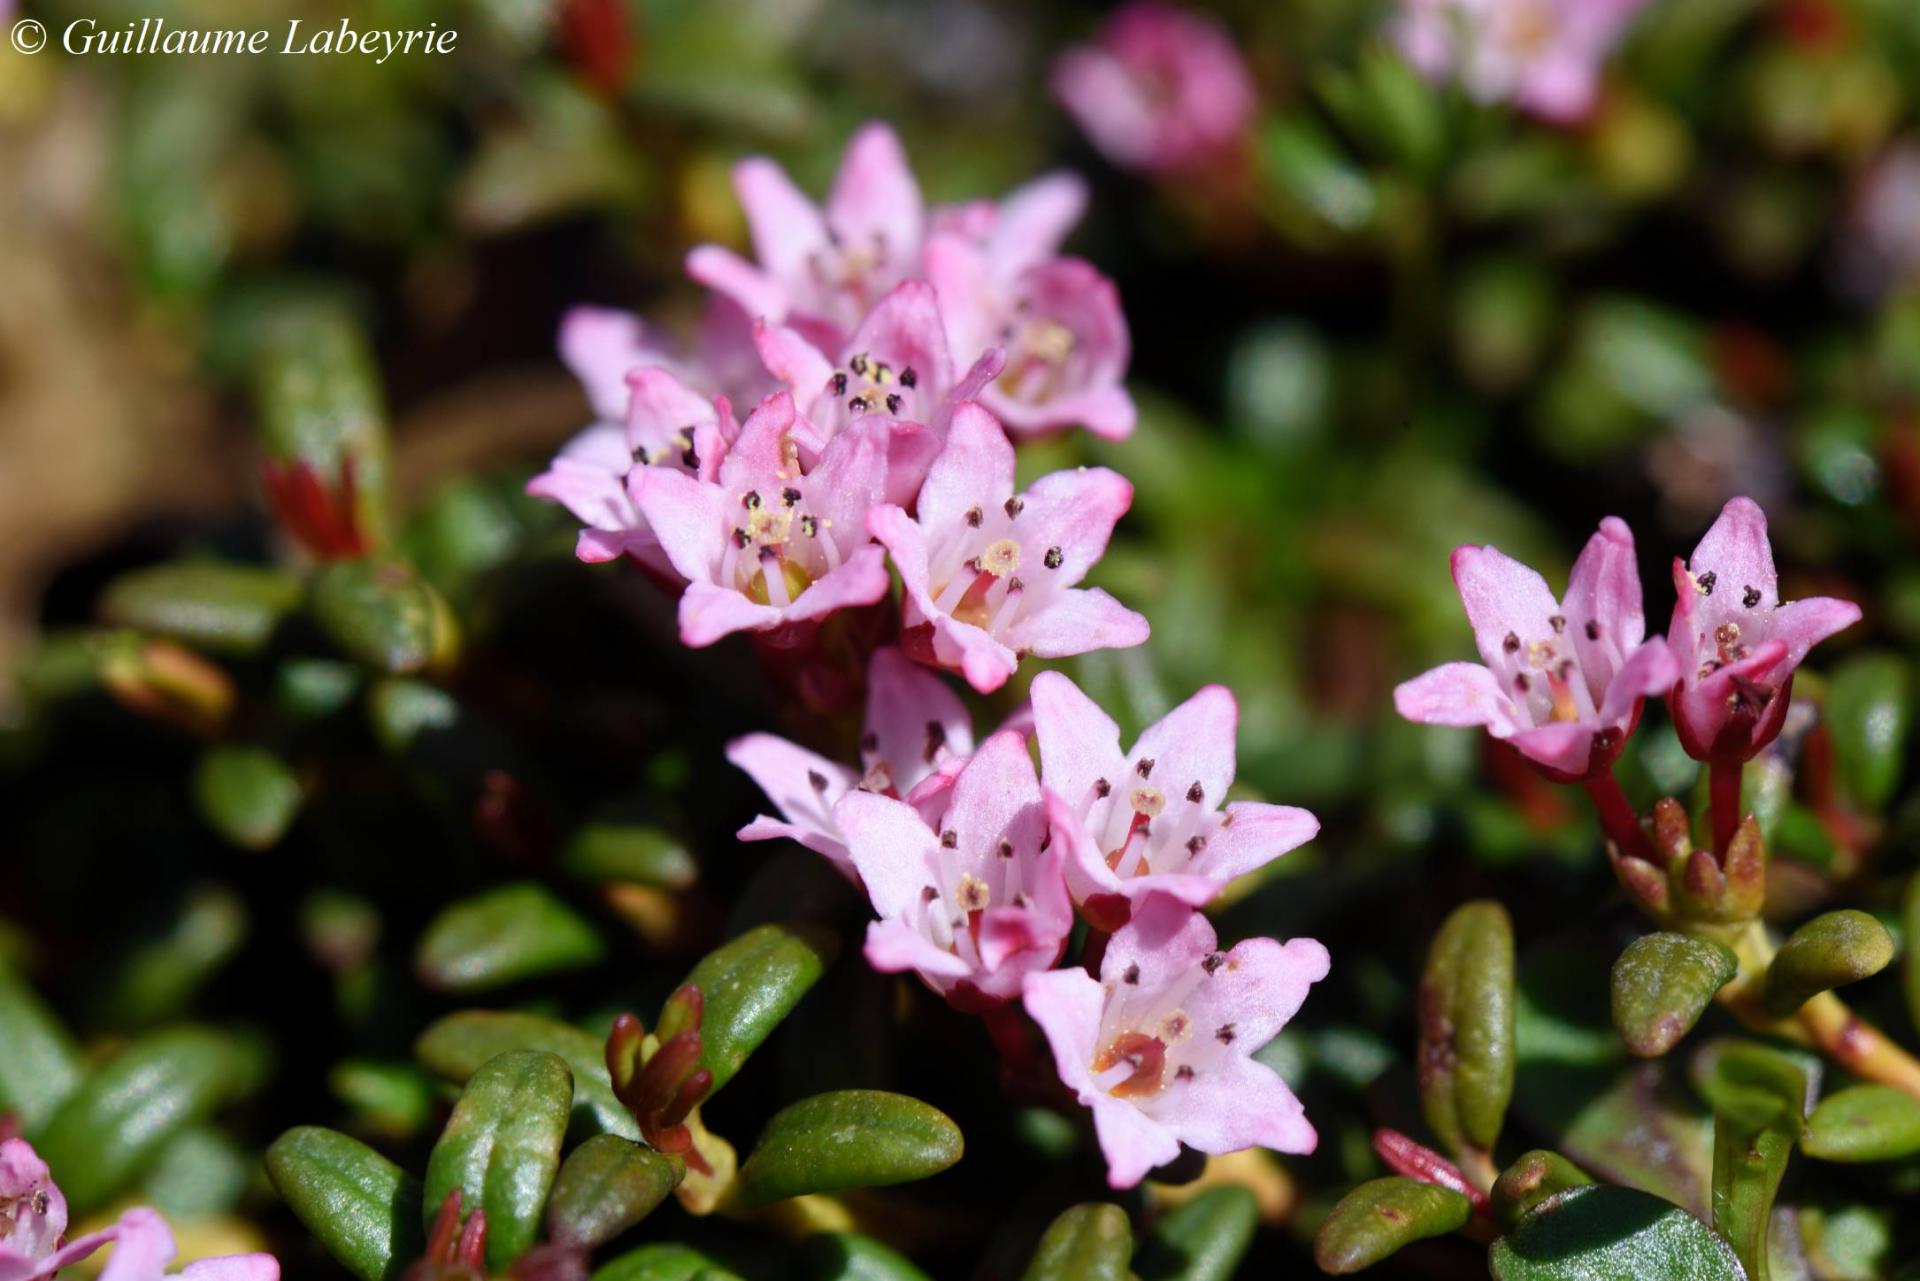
x,y
990,574
822,269
977,905
1161,1046
896,366
1162,90
1060,325
1736,644
1543,55
1563,680
916,736
33,1216
765,543
1149,820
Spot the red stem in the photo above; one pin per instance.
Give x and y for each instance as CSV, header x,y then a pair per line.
x,y
1723,773
1617,816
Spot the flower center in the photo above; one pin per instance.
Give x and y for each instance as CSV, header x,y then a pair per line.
x,y
869,386
1134,1065
1544,676
779,547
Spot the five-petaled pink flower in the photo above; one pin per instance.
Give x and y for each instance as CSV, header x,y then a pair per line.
x,y
1135,823
1545,56
1564,680
976,903
1160,1046
990,574
916,737
1736,644
33,1217
766,544
1162,90
821,270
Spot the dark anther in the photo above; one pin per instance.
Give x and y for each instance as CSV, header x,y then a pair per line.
x,y
1195,844
1225,1035
1593,629
1132,975
1511,644
810,525
893,402
1707,580
1214,962
949,839
1053,558
839,384
1183,1073
1145,767
936,739
1014,506
908,378
1006,848
789,495
741,538
1196,793
816,780
1101,787
1558,622
975,516
1750,597
869,742
751,500
1520,682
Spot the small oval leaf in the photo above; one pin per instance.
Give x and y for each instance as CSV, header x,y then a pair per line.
x,y
1662,983
1202,1240
749,985
1090,1242
848,1139
1383,1216
381,613
247,794
1466,1013
41,1067
1832,949
515,932
107,1131
362,1207
501,1148
630,852
848,1256
607,1185
1536,1176
665,1261
1864,1123
455,1047
1604,1231
229,609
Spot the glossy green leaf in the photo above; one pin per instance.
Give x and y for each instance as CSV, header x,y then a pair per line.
x,y
848,1139
749,985
41,1067
382,613
605,1186
1383,1216
1864,1123
247,794
1867,709
629,852
362,1207
394,1100
501,1148
1759,1095
1530,1180
456,1046
1202,1240
1662,983
515,932
1832,949
1090,1242
848,1256
106,1133
665,1261
231,609
1604,1233
157,976
1466,1014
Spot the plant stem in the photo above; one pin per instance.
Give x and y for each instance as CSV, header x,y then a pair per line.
x,y
1723,773
1617,817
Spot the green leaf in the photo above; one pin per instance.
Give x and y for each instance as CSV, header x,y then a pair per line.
x,y
1868,711
1864,1123
664,1261
1383,1216
1603,1233
1202,1240
1832,949
41,1067
1305,173
114,1125
456,1046
1466,1014
394,1100
1662,983
247,794
848,1256
607,1185
1089,1242
1530,1180
362,1207
629,852
1910,928
311,689
1759,1096
749,985
158,975
230,609
200,1172
382,613
848,1139
515,932
501,1148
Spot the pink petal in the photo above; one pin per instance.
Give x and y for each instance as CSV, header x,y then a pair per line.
x,y
786,226
660,407
1802,624
727,273
142,1249
233,1267
975,469
1236,1104
1107,412
1103,98
597,546
861,580
1067,1005
1258,989
979,374
1085,866
793,360
825,844
1256,834
997,793
1736,551
708,613
1501,596
916,721
853,473
689,517
802,784
24,1177
905,330
1076,512
875,200
16,1267
1075,622
1079,742
1562,746
600,344
1650,672
1604,590
1133,1142
893,948
984,661
1457,694
906,543
1034,219
890,845
1193,743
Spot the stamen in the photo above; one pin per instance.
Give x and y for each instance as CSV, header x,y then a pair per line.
x,y
1511,644
1705,582
1149,801
816,780
1014,506
974,517
1750,597
1053,559
972,894
1196,793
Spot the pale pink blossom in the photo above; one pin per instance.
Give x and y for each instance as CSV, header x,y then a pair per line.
x,y
1160,90
976,904
1161,1045
1150,820
1022,229
915,738
768,543
990,575
1564,680
1736,644
1545,56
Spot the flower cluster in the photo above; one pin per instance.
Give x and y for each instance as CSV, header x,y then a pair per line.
x,y
33,1226
1544,56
